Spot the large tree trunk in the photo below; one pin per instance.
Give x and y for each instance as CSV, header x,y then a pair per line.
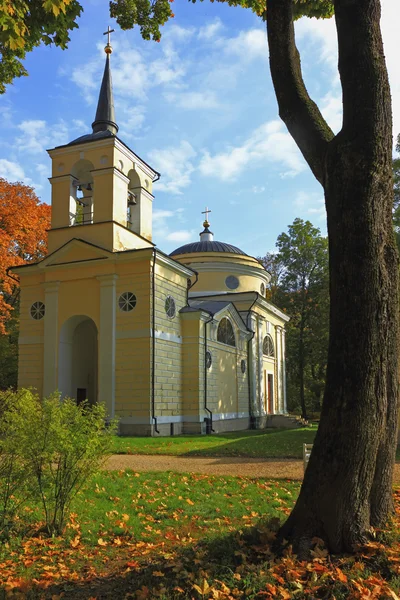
x,y
348,483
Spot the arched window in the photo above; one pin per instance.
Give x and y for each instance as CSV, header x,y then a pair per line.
x,y
81,201
225,333
268,346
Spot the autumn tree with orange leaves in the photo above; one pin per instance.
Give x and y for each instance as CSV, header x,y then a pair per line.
x,y
24,221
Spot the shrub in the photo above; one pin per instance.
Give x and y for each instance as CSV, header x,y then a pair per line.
x,y
13,482
61,445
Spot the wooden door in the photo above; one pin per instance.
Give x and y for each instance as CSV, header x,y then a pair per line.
x,y
270,394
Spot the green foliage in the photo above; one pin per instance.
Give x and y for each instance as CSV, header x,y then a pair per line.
x,y
60,445
300,285
13,485
9,354
25,24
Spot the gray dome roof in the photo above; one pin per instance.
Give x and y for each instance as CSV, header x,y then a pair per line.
x,y
207,246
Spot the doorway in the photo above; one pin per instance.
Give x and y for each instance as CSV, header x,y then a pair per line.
x,y
269,393
77,365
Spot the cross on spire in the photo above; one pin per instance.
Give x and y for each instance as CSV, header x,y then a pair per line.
x,y
108,33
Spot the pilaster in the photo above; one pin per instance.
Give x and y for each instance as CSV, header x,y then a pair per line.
x,y
278,354
284,370
107,328
261,387
50,352
253,366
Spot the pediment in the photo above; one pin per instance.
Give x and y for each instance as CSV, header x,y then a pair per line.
x,y
76,251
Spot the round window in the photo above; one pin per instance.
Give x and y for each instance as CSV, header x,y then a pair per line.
x,y
208,359
38,311
262,289
232,282
127,301
243,366
170,307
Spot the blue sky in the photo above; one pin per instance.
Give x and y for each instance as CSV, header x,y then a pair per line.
x,y
199,107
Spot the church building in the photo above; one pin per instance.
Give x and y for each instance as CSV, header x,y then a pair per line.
x,y
179,343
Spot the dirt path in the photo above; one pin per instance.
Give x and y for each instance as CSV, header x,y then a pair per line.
x,y
249,467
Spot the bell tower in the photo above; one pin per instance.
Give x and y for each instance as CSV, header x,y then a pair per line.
x,y
101,190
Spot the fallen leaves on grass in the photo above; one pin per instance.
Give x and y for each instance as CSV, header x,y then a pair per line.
x,y
182,559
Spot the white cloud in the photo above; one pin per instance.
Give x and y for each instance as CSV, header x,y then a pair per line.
x,y
162,221
248,45
193,100
269,142
321,33
332,109
37,135
177,33
310,203
133,74
12,171
161,215
210,31
179,236
175,165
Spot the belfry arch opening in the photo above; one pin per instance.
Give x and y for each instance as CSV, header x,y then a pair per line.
x,y
78,359
82,205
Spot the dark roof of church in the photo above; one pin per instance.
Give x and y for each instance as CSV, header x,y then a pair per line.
x,y
207,246
104,124
210,306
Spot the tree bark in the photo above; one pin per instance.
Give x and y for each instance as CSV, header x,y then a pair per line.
x,y
347,486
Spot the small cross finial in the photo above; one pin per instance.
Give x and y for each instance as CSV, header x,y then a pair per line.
x,y
108,33
206,212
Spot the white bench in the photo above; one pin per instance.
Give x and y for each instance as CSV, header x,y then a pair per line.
x,y
306,454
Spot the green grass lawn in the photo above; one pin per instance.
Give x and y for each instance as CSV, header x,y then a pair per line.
x,y
184,537
269,443
125,521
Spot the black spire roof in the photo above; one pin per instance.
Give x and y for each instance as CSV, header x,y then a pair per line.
x,y
105,114
104,124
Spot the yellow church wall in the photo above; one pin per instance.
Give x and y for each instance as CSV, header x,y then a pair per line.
x,y
102,194
192,365
133,377
222,385
110,236
242,382
100,234
168,378
100,154
60,194
215,281
79,297
124,239
168,346
31,339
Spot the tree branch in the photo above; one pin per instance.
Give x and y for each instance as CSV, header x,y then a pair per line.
x,y
367,116
296,109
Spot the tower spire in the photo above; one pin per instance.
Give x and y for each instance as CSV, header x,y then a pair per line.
x,y
105,114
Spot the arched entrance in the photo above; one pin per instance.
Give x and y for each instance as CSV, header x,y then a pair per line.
x,y
77,362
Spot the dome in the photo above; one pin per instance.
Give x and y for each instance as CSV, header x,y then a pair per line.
x,y
207,246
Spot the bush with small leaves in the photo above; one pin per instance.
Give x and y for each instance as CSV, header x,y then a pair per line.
x,y
62,444
14,488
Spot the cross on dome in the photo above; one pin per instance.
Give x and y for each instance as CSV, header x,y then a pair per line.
x,y
206,221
